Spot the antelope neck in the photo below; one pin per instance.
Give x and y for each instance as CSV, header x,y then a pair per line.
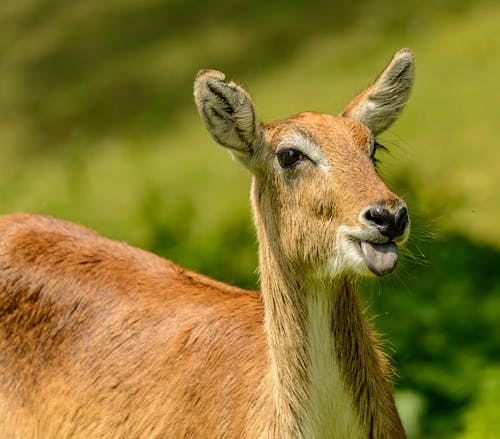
x,y
326,372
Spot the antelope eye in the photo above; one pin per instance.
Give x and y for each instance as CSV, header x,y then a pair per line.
x,y
288,157
376,146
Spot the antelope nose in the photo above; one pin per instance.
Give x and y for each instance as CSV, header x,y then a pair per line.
x,y
388,224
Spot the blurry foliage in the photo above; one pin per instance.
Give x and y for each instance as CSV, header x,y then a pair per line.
x,y
481,418
78,68
443,319
97,125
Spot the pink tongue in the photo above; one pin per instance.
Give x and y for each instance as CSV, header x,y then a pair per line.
x,y
381,259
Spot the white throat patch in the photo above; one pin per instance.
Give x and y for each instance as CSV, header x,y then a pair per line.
x,y
331,412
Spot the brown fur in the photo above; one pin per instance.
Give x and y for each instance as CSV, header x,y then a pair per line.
x,y
295,254
99,339
102,340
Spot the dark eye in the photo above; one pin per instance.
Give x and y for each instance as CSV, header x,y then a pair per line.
x,y
288,157
376,146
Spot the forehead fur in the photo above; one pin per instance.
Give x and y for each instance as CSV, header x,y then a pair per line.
x,y
322,129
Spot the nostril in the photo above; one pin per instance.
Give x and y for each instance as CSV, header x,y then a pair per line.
x,y
381,218
388,224
378,216
375,217
402,219
391,224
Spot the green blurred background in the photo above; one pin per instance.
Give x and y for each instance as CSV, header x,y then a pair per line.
x,y
98,126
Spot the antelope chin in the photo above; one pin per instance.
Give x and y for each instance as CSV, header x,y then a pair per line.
x,y
381,259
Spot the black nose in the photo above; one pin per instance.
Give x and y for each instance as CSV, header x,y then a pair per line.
x,y
388,224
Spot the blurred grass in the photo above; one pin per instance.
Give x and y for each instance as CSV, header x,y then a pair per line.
x,y
98,126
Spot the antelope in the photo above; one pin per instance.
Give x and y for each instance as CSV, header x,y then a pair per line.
x,y
102,340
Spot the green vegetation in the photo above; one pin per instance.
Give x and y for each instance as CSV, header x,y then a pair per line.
x,y
98,126
482,421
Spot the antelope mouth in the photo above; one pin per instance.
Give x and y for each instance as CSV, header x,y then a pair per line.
x,y
381,259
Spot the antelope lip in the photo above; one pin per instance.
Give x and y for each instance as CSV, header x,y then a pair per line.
x,y
381,259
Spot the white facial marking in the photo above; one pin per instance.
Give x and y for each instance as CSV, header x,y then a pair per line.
x,y
348,257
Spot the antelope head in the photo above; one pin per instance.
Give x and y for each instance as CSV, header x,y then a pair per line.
x,y
318,202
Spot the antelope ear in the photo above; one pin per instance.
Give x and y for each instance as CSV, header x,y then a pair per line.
x,y
381,104
228,113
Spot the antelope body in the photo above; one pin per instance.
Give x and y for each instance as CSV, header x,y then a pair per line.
x,y
102,340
